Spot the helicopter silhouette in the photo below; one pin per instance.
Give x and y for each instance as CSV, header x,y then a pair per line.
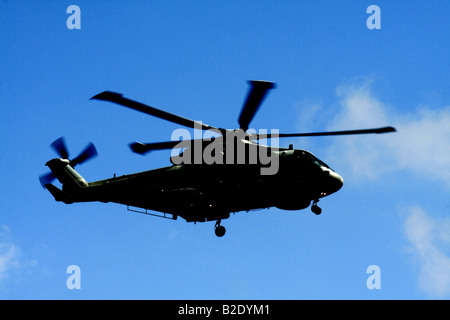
x,y
212,177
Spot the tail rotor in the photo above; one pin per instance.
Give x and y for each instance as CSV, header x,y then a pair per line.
x,y
60,147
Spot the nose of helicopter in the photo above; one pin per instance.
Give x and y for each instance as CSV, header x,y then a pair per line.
x,y
334,182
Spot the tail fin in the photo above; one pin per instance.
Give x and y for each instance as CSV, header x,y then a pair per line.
x,y
58,194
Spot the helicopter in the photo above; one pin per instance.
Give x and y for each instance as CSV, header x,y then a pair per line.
x,y
213,176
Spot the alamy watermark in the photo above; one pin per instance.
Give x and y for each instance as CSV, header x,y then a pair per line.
x,y
74,20
216,146
74,280
374,280
374,20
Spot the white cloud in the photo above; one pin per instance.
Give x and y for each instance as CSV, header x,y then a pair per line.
x,y
430,243
359,107
421,146
361,157
421,143
9,253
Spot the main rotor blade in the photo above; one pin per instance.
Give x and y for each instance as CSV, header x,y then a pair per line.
x,y
119,99
330,133
89,152
59,145
255,97
143,148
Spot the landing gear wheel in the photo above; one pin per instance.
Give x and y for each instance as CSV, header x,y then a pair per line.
x,y
220,231
315,208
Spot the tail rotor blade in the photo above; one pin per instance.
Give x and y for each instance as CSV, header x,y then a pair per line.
x,y
88,153
46,179
59,145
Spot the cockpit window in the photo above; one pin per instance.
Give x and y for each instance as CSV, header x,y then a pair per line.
x,y
318,161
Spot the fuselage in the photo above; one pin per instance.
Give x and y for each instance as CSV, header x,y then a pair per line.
x,y
199,192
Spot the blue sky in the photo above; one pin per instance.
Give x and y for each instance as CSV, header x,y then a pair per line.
x,y
193,58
